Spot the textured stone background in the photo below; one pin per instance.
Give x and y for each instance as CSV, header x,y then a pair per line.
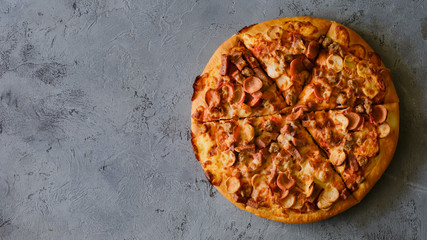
x,y
95,116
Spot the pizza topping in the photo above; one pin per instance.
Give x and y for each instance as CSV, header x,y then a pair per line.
x,y
225,59
255,99
298,46
383,130
308,65
228,158
288,129
239,62
239,198
314,192
274,148
296,67
274,32
247,133
244,148
290,98
227,92
312,50
239,95
295,115
288,201
364,69
285,182
238,76
337,157
353,164
354,120
326,42
252,84
268,125
261,142
345,193
252,203
261,75
323,204
362,160
259,182
256,161
341,99
198,114
343,120
349,62
357,50
247,71
342,35
292,150
379,113
334,62
232,184
212,98
211,178
251,59
331,194
317,92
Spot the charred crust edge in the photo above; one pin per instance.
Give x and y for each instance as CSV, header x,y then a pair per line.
x,y
246,28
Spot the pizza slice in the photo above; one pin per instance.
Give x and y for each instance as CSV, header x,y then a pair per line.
x,y
233,85
359,145
286,48
271,167
347,73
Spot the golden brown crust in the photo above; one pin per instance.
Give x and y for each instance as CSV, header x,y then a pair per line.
x,y
387,147
295,218
322,26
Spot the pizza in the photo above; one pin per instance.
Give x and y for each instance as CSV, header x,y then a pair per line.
x,y
294,119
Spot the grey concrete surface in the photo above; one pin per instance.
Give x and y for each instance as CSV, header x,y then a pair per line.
x,y
95,116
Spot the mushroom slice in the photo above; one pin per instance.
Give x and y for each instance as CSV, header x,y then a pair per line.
x,y
247,133
232,184
257,180
289,201
349,62
239,95
228,158
343,120
331,194
323,204
337,157
364,69
334,62
383,130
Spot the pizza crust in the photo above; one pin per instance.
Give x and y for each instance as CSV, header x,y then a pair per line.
x,y
294,217
387,148
322,26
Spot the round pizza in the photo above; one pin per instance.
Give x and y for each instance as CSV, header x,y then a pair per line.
x,y
294,119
